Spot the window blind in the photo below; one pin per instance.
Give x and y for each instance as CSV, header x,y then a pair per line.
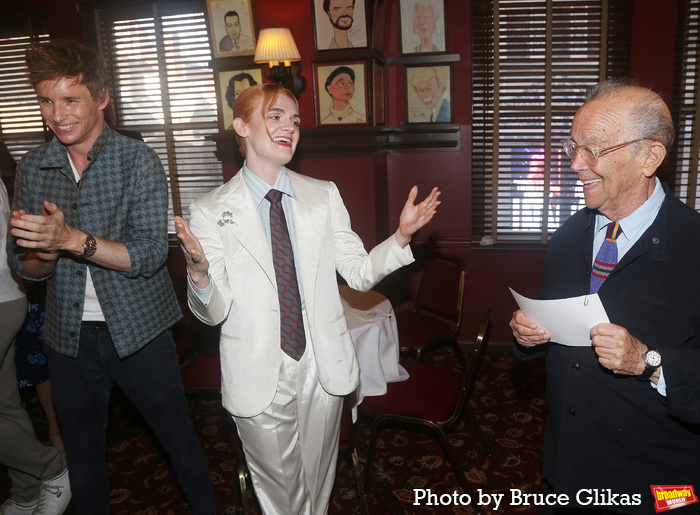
x,y
533,61
162,87
21,125
685,155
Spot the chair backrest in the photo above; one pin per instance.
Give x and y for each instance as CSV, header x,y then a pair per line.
x,y
441,290
474,364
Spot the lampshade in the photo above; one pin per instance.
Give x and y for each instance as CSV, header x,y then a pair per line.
x,y
276,45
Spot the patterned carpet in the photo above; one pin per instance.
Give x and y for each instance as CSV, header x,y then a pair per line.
x,y
508,401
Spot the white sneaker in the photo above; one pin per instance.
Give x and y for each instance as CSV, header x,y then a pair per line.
x,y
54,496
11,507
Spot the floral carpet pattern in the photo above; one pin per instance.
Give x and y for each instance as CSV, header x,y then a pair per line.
x,y
508,401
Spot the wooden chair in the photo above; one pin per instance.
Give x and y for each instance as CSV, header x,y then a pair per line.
x,y
434,397
347,447
436,317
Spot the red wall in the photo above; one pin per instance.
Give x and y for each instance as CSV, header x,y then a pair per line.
x,y
490,272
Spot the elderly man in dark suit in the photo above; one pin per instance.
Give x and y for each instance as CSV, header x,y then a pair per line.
x,y
624,414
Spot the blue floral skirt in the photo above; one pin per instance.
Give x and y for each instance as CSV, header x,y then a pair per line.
x,y
30,360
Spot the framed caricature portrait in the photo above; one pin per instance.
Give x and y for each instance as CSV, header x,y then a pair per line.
x,y
341,93
231,83
339,24
428,94
232,27
422,26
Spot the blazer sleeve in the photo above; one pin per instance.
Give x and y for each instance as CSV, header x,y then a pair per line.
x,y
360,269
203,224
680,366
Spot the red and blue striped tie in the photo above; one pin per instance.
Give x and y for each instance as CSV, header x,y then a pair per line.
x,y
292,337
606,259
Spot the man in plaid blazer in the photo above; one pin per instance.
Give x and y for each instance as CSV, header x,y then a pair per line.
x,y
90,217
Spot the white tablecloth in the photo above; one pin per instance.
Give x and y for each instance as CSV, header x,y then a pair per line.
x,y
372,325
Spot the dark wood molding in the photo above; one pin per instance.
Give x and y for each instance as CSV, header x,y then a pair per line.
x,y
427,60
359,140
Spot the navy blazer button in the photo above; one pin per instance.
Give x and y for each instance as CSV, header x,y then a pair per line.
x,y
572,412
576,366
655,240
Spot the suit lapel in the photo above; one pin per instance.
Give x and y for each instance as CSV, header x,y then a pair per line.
x,y
310,215
240,218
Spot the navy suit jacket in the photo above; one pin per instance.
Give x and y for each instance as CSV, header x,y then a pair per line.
x,y
616,432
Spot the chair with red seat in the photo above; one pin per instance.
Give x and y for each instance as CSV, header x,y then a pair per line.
x,y
436,317
434,397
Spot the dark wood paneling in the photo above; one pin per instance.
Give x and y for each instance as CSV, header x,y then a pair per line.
x,y
360,140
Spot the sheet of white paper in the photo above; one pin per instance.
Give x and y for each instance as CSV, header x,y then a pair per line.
x,y
569,321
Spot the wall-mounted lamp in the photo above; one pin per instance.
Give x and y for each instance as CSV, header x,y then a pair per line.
x,y
275,46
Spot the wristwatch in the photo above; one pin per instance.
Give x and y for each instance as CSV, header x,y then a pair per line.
x,y
652,360
90,246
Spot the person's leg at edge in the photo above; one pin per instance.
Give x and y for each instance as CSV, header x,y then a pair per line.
x,y
151,380
29,461
82,387
45,394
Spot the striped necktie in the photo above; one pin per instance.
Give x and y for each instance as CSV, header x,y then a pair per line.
x,y
292,337
606,259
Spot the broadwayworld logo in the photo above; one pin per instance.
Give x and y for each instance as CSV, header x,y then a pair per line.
x,y
668,497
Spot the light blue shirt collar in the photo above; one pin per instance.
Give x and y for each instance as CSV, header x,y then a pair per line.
x,y
259,188
634,225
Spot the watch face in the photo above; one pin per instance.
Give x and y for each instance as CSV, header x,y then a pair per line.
x,y
653,358
90,246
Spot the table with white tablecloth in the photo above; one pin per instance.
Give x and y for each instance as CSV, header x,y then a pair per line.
x,y
372,325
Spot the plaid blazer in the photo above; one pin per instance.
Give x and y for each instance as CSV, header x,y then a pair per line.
x,y
122,197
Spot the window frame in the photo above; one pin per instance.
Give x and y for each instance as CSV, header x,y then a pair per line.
x,y
685,155
186,149
22,127
517,46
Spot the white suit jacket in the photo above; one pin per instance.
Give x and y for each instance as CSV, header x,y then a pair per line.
x,y
244,295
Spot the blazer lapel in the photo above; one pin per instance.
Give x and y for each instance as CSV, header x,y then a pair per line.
x,y
310,215
239,216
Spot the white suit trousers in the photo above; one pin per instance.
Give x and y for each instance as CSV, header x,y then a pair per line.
x,y
292,447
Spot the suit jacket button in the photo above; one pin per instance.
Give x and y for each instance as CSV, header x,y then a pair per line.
x,y
655,240
576,366
572,412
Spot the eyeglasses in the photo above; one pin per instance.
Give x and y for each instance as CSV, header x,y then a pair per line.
x,y
589,154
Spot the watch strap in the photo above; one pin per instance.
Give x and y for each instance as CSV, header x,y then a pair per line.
x,y
648,372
